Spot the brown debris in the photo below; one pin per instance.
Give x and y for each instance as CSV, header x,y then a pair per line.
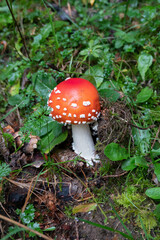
x,y
49,200
114,123
12,119
31,145
18,160
4,43
4,151
28,147
66,155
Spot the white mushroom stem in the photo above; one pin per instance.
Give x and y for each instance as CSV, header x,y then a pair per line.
x,y
83,143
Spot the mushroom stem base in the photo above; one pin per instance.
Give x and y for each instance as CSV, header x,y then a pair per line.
x,y
83,143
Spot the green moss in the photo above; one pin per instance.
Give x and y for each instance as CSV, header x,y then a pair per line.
x,y
129,198
134,206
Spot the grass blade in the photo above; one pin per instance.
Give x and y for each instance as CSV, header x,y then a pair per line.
x,y
106,228
117,215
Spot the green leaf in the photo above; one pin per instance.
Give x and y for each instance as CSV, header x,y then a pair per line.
x,y
97,72
44,83
119,34
12,78
53,138
133,162
130,36
157,170
84,52
84,208
45,30
122,37
153,193
38,57
59,25
110,94
155,152
46,127
49,229
115,153
141,161
119,43
112,85
36,42
144,62
129,164
91,43
144,95
17,99
142,139
42,89
149,12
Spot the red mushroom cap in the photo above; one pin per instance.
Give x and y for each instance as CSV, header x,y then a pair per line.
x,y
74,101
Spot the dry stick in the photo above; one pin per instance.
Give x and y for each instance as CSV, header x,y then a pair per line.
x,y
28,194
1,228
19,118
114,176
25,227
156,137
76,228
142,128
24,43
4,209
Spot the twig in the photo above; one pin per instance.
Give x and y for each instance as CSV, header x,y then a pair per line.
x,y
24,43
4,209
19,118
156,137
114,176
28,195
142,128
25,227
77,233
133,125
1,228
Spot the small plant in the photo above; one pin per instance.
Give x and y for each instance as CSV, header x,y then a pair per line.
x,y
4,170
27,218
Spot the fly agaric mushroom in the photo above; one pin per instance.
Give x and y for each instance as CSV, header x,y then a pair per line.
x,y
76,101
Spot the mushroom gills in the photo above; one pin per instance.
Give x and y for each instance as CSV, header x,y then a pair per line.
x,y
83,143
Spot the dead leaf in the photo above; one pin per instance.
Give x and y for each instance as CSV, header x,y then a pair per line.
x,y
29,147
38,163
84,208
8,129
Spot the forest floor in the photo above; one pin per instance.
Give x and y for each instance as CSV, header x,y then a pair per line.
x,y
47,190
